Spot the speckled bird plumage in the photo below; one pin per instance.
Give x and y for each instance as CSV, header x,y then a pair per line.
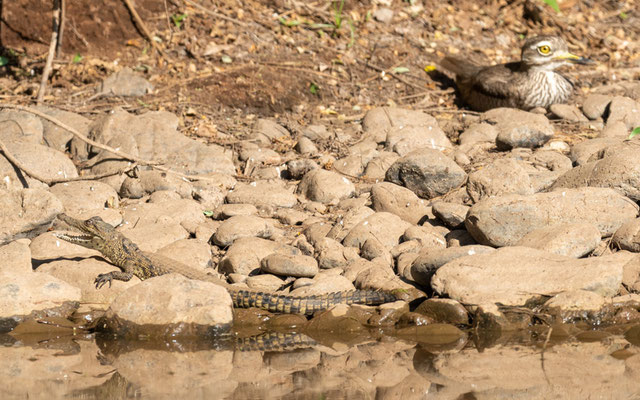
x,y
529,83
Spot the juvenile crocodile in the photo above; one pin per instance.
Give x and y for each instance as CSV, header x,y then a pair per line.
x,y
122,252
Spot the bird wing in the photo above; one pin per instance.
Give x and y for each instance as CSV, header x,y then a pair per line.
x,y
496,81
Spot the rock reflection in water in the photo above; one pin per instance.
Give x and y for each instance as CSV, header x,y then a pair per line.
x,y
437,362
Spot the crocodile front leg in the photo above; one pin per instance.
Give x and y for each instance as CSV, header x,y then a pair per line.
x,y
103,279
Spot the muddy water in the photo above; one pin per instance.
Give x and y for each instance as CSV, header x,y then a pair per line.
x,y
564,362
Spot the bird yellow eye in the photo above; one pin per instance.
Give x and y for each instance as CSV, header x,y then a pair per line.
x,y
544,49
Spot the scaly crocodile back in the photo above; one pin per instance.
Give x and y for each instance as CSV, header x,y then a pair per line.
x,y
306,304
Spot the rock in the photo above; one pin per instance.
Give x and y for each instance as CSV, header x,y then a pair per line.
x,y
225,211
306,146
25,294
615,129
242,226
627,237
581,153
619,171
245,254
262,193
567,112
478,132
317,133
543,166
626,110
16,257
386,227
26,212
289,216
194,253
324,284
426,235
332,254
253,153
452,214
404,130
20,126
299,266
150,181
571,239
152,237
265,283
503,176
82,274
185,212
56,137
383,14
517,128
172,299
398,200
430,259
575,302
265,131
80,196
47,163
503,221
153,136
514,275
594,105
459,237
426,172
325,186
445,311
298,168
124,83
378,166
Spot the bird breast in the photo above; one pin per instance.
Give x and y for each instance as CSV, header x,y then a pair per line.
x,y
546,88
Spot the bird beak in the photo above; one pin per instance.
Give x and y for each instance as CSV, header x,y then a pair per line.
x,y
573,58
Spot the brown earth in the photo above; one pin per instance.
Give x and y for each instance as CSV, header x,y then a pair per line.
x,y
289,56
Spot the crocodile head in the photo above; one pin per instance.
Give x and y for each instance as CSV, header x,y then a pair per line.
x,y
96,234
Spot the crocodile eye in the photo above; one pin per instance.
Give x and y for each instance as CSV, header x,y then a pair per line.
x,y
544,49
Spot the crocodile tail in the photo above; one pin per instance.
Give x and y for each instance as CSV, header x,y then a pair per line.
x,y
307,304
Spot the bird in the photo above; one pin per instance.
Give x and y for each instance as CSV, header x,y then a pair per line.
x,y
526,84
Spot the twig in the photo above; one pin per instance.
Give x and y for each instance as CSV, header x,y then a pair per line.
x,y
63,15
142,26
14,160
52,49
126,156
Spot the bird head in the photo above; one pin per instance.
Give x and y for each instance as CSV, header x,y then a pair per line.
x,y
549,52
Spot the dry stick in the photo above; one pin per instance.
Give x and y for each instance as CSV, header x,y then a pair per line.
x,y
52,49
63,15
142,26
104,147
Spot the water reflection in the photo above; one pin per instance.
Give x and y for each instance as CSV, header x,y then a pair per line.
x,y
567,361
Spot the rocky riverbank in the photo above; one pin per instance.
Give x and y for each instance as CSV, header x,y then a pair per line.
x,y
510,215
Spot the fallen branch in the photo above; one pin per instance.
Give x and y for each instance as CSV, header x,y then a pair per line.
x,y
126,156
141,25
52,49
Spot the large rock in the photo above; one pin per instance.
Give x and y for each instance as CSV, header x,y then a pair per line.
x,y
81,196
26,212
504,220
618,170
572,240
398,200
386,227
154,136
517,128
245,254
173,299
404,130
427,172
326,186
513,275
262,193
503,176
242,226
47,163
